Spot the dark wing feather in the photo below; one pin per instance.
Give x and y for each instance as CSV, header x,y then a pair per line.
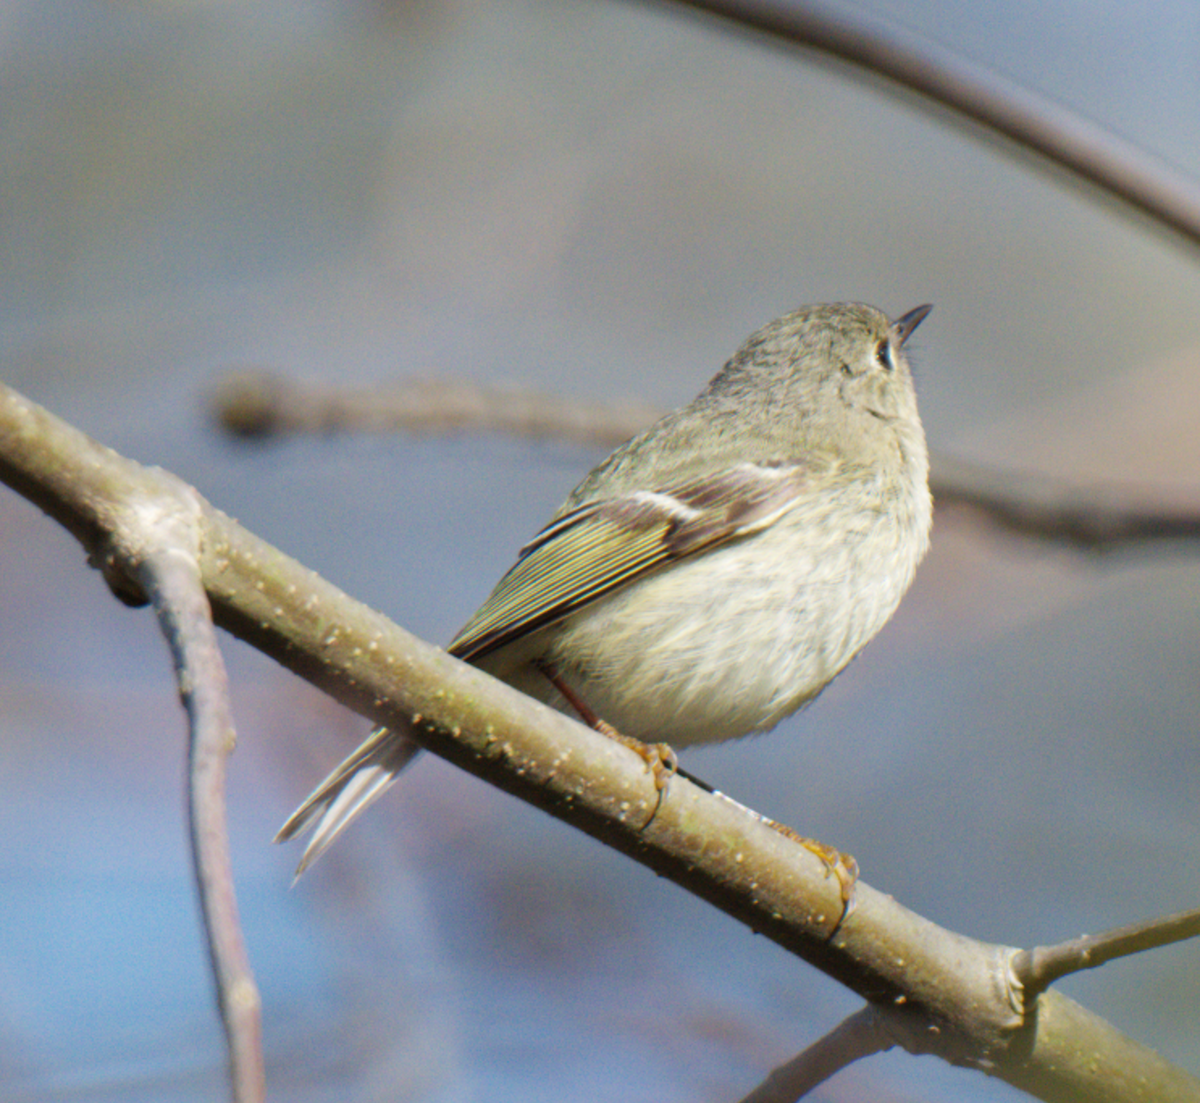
x,y
604,545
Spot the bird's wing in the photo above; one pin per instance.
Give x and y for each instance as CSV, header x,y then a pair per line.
x,y
604,545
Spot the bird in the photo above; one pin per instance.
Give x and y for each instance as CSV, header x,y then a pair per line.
x,y
716,572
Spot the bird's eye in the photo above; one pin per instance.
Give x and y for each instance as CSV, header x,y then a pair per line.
x,y
883,355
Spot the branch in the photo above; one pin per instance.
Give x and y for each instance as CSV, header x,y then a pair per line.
x,y
262,404
170,574
959,996
858,1036
1104,519
141,526
258,403
1034,123
1040,967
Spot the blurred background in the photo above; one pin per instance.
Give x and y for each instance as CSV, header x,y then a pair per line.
x,y
598,200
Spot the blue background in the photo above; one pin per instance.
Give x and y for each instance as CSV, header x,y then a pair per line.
x,y
598,200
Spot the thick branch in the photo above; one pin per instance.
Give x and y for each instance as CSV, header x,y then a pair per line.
x,y
960,995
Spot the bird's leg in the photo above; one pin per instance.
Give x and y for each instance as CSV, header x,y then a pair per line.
x,y
663,763
660,758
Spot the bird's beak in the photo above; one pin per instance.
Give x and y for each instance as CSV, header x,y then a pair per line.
x,y
902,327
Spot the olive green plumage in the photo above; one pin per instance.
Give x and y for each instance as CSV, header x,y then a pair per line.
x,y
714,573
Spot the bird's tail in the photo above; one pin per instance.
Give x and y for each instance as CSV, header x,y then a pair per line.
x,y
358,781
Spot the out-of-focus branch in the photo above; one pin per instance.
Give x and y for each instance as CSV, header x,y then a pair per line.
x,y
959,996
263,404
1032,122
258,403
860,1035
1100,519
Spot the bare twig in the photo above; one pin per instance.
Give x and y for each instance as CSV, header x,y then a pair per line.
x,y
141,527
1100,520
171,576
261,403
1040,967
1034,123
858,1036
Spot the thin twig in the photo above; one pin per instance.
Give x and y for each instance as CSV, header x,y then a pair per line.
x,y
141,527
1034,123
1040,967
1102,519
257,403
855,1037
171,576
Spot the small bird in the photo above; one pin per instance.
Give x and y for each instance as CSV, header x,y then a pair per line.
x,y
716,572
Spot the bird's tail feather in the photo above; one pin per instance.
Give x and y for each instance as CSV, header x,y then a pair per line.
x,y
359,780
